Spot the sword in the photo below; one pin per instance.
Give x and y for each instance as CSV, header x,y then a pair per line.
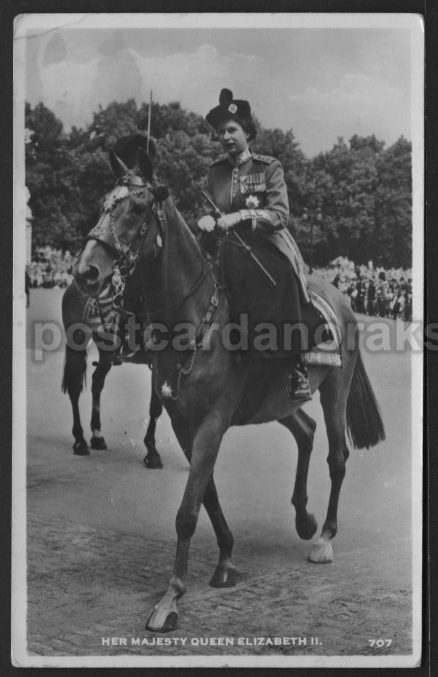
x,y
247,249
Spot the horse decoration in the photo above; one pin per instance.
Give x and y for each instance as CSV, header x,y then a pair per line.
x,y
84,319
101,319
202,385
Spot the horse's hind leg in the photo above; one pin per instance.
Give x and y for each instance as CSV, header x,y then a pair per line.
x,y
302,428
225,575
74,375
97,382
152,458
334,392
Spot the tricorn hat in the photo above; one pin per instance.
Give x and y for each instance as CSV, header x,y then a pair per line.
x,y
229,108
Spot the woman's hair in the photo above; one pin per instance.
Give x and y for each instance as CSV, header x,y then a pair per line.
x,y
247,125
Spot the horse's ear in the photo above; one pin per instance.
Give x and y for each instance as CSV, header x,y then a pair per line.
x,y
145,164
119,168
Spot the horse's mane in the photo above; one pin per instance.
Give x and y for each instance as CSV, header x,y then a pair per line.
x,y
169,205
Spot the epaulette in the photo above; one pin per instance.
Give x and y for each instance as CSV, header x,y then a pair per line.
x,y
221,158
267,159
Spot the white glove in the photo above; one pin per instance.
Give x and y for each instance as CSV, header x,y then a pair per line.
x,y
229,220
206,223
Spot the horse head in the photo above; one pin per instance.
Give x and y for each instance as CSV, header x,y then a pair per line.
x,y
125,225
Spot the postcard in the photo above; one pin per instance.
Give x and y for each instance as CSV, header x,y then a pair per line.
x,y
218,340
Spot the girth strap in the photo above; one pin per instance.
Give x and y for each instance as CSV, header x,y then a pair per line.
x,y
206,320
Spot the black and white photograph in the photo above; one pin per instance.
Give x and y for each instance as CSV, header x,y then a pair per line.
x,y
218,340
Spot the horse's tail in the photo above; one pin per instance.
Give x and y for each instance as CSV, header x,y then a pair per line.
x,y
75,371
75,364
364,421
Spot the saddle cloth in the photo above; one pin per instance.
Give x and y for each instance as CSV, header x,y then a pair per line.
x,y
327,352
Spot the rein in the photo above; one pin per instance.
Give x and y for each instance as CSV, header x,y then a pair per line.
x,y
126,259
127,254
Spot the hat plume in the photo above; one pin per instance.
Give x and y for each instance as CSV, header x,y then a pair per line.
x,y
225,97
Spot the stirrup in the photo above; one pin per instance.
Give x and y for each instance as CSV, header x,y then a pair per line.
x,y
128,353
117,359
299,384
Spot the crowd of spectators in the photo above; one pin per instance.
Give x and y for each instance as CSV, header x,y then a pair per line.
x,y
373,291
50,268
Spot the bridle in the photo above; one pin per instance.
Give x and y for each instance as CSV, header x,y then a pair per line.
x,y
126,254
124,250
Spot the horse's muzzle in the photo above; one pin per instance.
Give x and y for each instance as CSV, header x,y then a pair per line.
x,y
88,278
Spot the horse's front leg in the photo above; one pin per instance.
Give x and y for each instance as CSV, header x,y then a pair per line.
x,y
204,452
225,574
97,383
72,383
152,458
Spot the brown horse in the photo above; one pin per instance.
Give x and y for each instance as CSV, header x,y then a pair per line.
x,y
79,327
204,388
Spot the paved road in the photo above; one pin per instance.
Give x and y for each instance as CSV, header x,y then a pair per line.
x,y
101,528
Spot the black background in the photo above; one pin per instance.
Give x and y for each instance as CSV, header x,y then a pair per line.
x,y
429,10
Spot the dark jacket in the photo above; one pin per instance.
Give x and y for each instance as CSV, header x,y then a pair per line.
x,y
255,186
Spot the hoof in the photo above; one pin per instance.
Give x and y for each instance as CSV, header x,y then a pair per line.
x,y
159,623
98,443
306,528
153,461
224,578
322,552
81,448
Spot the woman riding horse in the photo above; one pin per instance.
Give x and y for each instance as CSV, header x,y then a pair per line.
x,y
250,192
204,389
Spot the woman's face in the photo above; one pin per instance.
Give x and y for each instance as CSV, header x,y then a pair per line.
x,y
232,136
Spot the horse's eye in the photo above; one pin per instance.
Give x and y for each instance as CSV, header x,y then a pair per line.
x,y
137,206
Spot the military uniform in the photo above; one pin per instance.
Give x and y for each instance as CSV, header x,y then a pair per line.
x,y
254,185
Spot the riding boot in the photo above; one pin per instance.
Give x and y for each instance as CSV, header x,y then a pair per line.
x,y
128,353
299,383
119,333
118,357
132,345
125,354
128,346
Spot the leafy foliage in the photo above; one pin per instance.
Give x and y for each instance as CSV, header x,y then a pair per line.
x,y
361,190
364,195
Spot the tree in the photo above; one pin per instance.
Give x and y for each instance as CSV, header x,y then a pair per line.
x,y
111,123
362,190
392,237
364,194
284,147
49,176
170,118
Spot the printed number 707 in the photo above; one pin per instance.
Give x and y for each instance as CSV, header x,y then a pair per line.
x,y
380,643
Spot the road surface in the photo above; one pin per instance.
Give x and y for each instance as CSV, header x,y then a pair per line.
x,y
101,532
